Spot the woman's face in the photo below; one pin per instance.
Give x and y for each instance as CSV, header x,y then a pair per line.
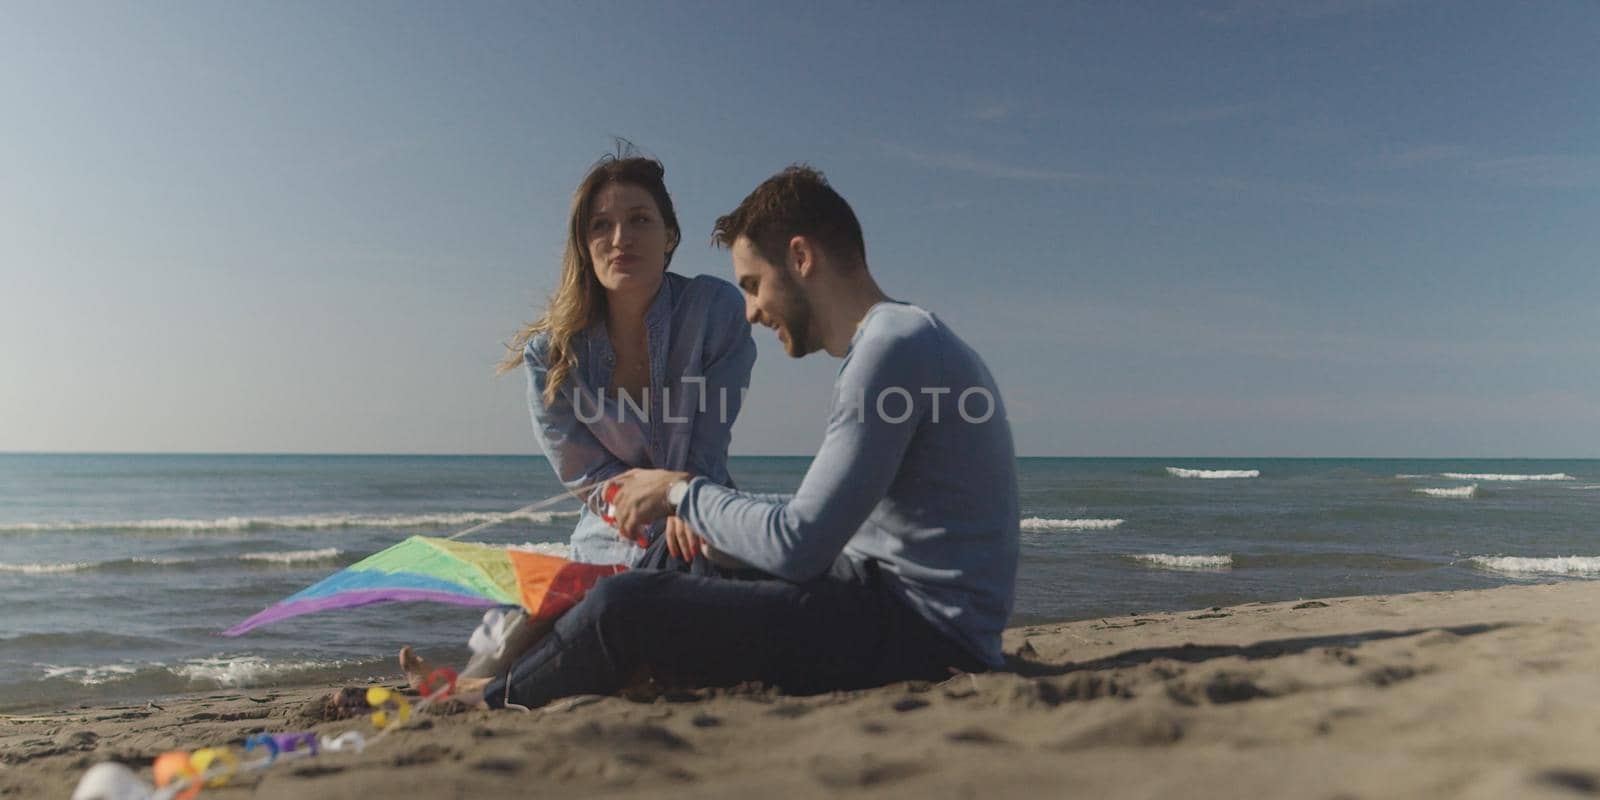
x,y
627,239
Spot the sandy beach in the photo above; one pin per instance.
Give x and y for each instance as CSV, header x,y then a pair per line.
x,y
1485,693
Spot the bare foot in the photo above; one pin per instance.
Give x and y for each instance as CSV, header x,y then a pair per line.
x,y
414,666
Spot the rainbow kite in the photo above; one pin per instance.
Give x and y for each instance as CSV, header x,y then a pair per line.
x,y
444,571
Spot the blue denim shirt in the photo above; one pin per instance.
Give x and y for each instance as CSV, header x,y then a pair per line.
x,y
701,354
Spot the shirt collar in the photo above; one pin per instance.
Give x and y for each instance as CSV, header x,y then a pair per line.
x,y
655,321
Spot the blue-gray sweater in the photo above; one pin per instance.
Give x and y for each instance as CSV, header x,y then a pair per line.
x,y
917,471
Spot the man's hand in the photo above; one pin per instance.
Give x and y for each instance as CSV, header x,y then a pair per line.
x,y
682,541
642,498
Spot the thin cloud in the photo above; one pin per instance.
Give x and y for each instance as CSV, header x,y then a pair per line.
x,y
1539,171
982,167
1253,11
1195,115
1412,157
1398,405
991,113
1542,171
1321,131
1314,194
1255,188
1206,322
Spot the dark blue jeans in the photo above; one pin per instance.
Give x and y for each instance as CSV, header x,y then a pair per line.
x,y
844,630
657,556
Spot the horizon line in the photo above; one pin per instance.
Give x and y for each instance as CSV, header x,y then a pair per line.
x,y
356,454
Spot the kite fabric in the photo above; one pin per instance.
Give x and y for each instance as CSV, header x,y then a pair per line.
x,y
444,571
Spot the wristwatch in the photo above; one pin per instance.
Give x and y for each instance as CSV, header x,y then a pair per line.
x,y
676,492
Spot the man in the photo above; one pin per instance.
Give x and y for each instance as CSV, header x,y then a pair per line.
x,y
896,558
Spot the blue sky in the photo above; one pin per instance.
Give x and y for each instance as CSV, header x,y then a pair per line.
x,y
1302,228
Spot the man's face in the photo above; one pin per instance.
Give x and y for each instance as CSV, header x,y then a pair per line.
x,y
772,297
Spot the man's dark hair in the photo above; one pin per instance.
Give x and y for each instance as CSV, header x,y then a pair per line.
x,y
795,202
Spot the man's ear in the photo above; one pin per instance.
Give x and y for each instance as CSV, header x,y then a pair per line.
x,y
672,241
802,256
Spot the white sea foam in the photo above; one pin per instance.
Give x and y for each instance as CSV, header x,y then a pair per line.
x,y
44,569
287,557
1559,565
1478,476
1039,524
1409,477
89,676
214,672
1458,492
296,522
1214,473
158,561
1168,561
241,671
80,566
294,556
560,549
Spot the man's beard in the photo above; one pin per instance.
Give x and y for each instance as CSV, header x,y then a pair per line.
x,y
797,320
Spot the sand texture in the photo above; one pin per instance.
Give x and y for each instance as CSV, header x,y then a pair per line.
x,y
1481,694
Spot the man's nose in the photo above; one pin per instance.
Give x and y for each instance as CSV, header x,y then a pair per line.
x,y
752,315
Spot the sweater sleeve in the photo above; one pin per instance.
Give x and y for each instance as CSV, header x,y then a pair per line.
x,y
877,408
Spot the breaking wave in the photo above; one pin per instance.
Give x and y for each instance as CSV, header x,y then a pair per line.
x,y
1559,565
1476,476
286,558
1458,492
245,671
1040,525
1214,473
295,556
90,676
195,673
296,522
44,569
560,549
1168,561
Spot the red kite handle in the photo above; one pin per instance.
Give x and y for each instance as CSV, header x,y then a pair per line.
x,y
609,515
445,674
610,496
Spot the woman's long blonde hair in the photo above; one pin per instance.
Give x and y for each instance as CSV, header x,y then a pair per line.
x,y
579,301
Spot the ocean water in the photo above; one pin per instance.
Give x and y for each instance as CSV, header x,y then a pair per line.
x,y
118,571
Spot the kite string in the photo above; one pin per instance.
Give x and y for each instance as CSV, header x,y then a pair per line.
x,y
575,494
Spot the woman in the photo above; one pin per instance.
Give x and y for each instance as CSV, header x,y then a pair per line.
x,y
632,365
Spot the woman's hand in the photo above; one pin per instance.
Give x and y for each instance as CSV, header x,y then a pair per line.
x,y
682,541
